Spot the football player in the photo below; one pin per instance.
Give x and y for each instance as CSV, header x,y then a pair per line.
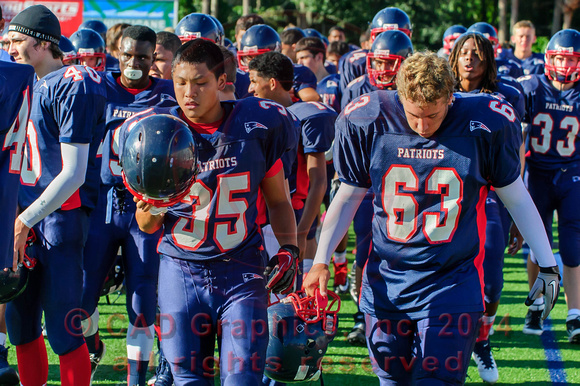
x,y
289,38
262,38
449,37
271,76
473,64
167,45
523,38
90,48
552,107
211,275
59,188
15,101
430,156
113,225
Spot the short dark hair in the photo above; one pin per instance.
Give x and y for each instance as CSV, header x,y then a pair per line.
x,y
140,33
198,51
291,35
168,40
274,65
53,47
339,48
230,64
313,45
336,28
246,21
486,55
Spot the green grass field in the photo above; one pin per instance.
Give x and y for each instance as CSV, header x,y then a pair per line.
x,y
520,358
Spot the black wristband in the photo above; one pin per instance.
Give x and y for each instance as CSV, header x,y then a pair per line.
x,y
552,270
293,249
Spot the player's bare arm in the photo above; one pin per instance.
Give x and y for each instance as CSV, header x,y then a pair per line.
x,y
281,213
308,94
336,223
316,169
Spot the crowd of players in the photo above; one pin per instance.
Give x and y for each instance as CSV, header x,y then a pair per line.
x,y
468,125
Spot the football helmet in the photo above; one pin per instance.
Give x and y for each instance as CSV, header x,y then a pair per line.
x,y
115,278
384,59
257,39
69,51
13,283
450,36
198,25
390,18
566,44
221,30
159,160
301,327
95,25
488,31
89,44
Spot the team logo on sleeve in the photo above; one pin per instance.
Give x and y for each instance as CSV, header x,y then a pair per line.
x,y
476,125
254,125
251,276
167,97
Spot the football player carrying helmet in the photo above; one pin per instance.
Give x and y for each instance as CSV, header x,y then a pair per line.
x,y
90,48
387,53
258,39
390,18
562,59
301,327
198,25
159,160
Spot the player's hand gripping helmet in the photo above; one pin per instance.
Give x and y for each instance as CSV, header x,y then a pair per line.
x,y
488,31
89,44
563,56
198,25
450,36
13,283
159,160
384,59
390,18
301,327
69,51
257,40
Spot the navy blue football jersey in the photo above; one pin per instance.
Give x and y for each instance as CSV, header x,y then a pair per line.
x,y
68,106
553,116
242,83
217,220
121,104
429,205
328,89
360,86
351,66
316,136
303,78
509,94
15,98
532,65
509,67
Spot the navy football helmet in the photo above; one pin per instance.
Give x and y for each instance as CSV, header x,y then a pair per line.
x,y
384,59
222,31
450,36
13,283
198,25
69,51
566,45
301,327
95,25
488,31
257,40
159,160
89,44
390,18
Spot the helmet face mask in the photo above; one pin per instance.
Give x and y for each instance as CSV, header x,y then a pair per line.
x,y
562,58
90,48
257,40
159,160
450,36
301,327
388,51
12,284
